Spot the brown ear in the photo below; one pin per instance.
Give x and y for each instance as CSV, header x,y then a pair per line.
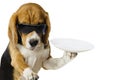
x,y
47,29
12,30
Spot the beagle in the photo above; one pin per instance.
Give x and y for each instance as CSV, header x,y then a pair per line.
x,y
29,49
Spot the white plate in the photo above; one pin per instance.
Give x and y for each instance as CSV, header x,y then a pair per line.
x,y
72,45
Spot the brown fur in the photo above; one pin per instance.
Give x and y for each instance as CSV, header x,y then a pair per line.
x,y
29,13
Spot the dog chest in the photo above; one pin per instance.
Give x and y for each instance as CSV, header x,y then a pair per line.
x,y
34,58
35,61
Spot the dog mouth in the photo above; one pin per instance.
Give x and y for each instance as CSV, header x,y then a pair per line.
x,y
37,47
32,48
34,41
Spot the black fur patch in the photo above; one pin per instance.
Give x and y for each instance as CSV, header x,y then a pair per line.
x,y
19,38
6,70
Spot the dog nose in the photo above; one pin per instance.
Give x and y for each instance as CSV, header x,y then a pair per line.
x,y
33,42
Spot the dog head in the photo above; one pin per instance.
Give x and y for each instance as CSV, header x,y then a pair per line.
x,y
29,26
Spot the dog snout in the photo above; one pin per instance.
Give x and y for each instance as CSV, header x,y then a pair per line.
x,y
33,42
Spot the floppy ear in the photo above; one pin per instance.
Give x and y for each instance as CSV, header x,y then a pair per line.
x,y
45,38
12,30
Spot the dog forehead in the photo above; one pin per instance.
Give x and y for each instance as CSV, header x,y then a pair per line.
x,y
31,5
31,14
31,17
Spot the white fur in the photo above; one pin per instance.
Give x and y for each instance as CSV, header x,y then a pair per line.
x,y
34,58
37,58
55,63
28,74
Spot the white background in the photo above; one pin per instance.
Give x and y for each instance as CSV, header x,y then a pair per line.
x,y
95,21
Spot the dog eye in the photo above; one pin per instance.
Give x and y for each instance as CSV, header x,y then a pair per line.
x,y
40,28
25,28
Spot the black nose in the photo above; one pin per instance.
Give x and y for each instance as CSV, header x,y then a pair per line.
x,y
33,42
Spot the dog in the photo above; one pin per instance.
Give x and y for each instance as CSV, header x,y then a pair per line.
x,y
29,49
